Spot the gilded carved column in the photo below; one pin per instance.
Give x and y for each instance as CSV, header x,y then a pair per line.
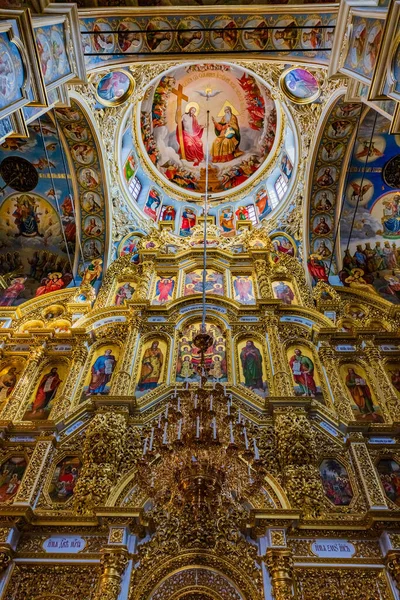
x,y
387,393
79,357
392,562
261,268
24,382
103,451
367,475
340,399
36,470
122,379
147,270
280,567
281,378
113,563
297,457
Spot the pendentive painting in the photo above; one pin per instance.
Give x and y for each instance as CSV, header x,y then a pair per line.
x,y
389,474
152,366
46,391
336,482
64,479
305,376
11,473
194,282
188,362
364,404
252,367
164,289
102,368
242,127
244,289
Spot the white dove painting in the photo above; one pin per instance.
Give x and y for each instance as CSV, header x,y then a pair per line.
x,y
214,111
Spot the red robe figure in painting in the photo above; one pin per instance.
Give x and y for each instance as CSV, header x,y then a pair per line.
x,y
164,289
192,133
47,390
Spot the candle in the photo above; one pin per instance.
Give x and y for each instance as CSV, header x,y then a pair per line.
x,y
179,405
175,392
197,426
166,410
145,446
214,424
179,429
229,408
211,402
159,421
256,452
246,441
165,438
239,416
186,385
231,440
195,400
214,384
151,439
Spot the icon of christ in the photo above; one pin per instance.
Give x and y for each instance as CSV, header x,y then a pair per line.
x,y
192,133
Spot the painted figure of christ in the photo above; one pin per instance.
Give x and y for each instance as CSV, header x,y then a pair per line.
x,y
192,133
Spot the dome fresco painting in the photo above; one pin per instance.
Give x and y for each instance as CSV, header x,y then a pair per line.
x,y
199,300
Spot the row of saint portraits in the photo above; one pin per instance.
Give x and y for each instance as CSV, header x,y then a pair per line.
x,y
243,288
152,366
339,486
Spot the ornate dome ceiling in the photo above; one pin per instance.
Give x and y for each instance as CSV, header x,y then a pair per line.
x,y
250,143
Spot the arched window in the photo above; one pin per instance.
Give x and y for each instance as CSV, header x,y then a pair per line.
x,y
281,186
134,187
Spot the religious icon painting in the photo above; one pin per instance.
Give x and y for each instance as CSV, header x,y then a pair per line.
x,y
389,474
282,244
103,39
128,39
263,203
299,85
129,245
159,35
93,225
164,289
283,290
364,404
190,35
10,372
227,221
252,368
194,283
312,34
46,391
130,167
11,474
285,36
256,33
115,88
102,367
305,377
322,224
152,366
64,478
188,221
123,293
336,482
243,287
225,35
286,165
153,203
88,178
188,361
393,371
168,213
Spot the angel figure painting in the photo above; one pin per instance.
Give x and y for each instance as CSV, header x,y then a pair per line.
x,y
244,289
234,107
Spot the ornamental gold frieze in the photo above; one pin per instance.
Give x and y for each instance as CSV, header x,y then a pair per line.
x,y
338,584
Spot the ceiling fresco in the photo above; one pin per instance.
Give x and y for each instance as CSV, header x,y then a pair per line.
x,y
241,134
288,36
37,228
370,247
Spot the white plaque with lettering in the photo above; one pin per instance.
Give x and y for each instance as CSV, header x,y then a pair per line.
x,y
61,544
333,549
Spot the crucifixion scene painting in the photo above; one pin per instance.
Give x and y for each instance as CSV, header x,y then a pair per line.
x,y
241,126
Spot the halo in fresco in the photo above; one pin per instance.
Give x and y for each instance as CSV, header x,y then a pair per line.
x,y
299,85
115,88
241,134
256,38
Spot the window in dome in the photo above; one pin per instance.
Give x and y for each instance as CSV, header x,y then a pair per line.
x,y
134,188
281,186
251,211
